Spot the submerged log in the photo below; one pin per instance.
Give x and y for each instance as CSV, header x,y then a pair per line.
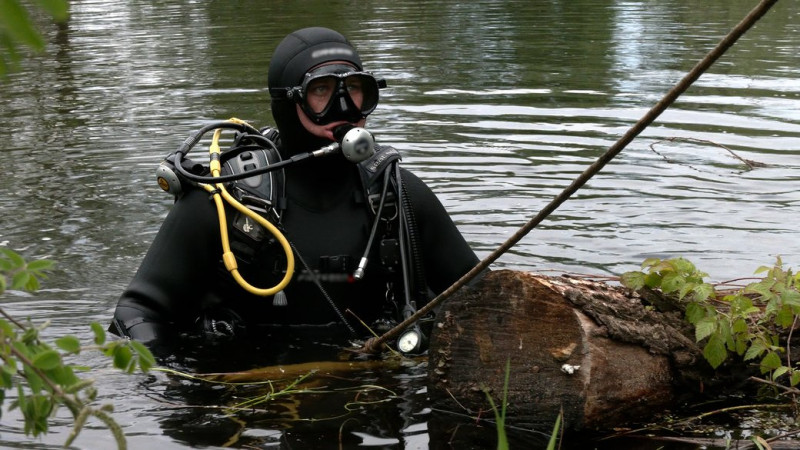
x,y
600,352
291,372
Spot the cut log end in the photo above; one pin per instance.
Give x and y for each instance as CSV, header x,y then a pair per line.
x,y
557,355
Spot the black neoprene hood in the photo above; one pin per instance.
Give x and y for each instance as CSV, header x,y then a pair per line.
x,y
307,48
298,53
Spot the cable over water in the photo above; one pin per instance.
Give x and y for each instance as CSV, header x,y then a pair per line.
x,y
374,344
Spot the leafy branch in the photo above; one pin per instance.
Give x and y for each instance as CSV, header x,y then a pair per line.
x,y
749,322
37,370
18,31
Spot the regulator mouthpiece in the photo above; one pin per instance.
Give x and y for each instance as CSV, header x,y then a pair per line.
x,y
355,143
358,144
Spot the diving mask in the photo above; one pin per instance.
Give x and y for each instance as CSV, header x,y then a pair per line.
x,y
334,92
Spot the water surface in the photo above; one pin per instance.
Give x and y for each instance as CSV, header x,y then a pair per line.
x,y
498,105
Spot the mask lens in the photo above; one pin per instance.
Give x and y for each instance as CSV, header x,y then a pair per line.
x,y
339,96
319,92
363,90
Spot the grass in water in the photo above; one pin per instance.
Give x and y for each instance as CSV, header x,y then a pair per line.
x,y
500,416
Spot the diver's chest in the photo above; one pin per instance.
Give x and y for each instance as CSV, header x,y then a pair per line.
x,y
342,229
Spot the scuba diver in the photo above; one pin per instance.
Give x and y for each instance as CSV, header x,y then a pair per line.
x,y
357,243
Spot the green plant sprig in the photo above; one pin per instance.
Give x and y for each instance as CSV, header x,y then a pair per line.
x,y
37,370
748,322
500,415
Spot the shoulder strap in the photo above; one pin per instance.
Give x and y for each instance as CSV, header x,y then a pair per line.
x,y
373,167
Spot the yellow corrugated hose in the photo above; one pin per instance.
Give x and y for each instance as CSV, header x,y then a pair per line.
x,y
219,193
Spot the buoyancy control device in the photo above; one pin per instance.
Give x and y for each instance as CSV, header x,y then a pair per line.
x,y
248,176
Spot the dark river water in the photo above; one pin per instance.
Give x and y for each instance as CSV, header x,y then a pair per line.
x,y
498,105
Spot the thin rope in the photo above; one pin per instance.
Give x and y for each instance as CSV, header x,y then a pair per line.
x,y
374,344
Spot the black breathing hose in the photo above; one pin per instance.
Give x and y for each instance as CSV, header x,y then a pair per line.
x,y
401,238
418,284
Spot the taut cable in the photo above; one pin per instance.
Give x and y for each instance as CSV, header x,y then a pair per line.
x,y
374,344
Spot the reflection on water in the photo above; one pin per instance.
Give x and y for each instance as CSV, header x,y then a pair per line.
x,y
498,105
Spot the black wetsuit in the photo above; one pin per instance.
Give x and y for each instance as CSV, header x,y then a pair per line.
x,y
182,277
328,223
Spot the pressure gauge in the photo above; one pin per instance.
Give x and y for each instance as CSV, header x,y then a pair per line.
x,y
409,341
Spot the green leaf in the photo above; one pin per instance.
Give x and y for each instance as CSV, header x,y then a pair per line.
x,y
20,279
790,297
703,291
79,385
714,351
41,264
762,288
778,372
663,267
122,358
632,280
652,280
63,376
694,313
685,289
770,362
795,377
99,333
741,345
15,261
684,266
40,407
650,262
762,269
785,317
21,398
57,9
69,344
146,359
29,337
740,326
704,328
740,304
16,23
6,328
47,360
726,334
33,284
5,379
34,381
672,282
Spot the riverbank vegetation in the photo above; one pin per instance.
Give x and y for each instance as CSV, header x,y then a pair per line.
x,y
754,322
37,373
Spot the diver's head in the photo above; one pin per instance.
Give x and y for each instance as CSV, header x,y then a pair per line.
x,y
317,83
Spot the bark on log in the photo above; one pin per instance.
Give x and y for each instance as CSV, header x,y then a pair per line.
x,y
600,352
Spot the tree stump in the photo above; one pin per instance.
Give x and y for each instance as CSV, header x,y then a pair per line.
x,y
598,351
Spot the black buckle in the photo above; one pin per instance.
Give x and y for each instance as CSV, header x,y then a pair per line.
x,y
389,205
